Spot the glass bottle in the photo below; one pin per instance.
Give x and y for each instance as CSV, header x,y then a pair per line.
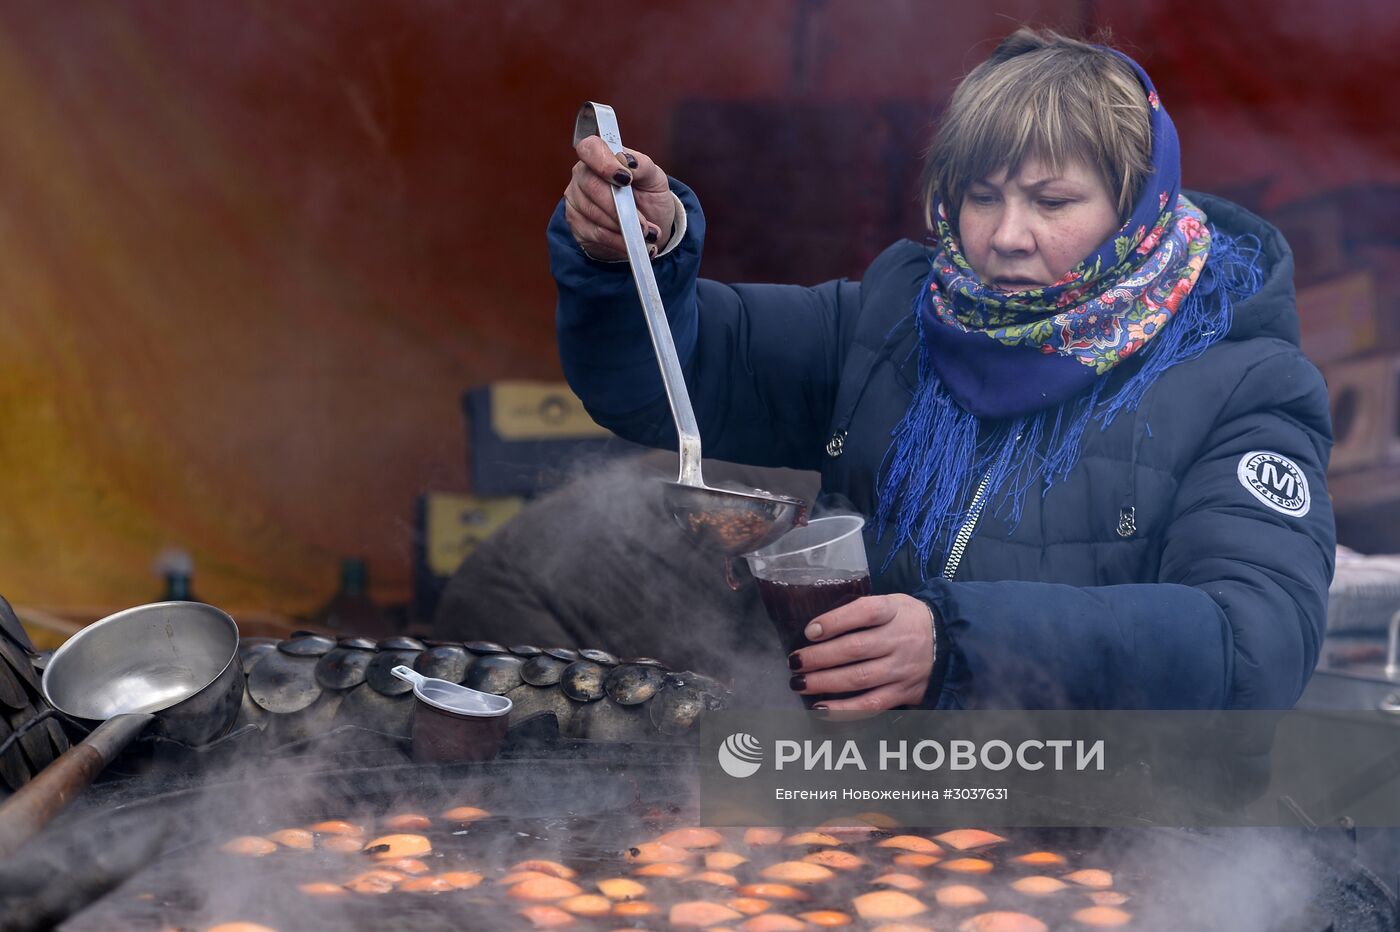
x,y
351,610
177,587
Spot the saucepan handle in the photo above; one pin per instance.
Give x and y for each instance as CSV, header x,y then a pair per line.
x,y
42,798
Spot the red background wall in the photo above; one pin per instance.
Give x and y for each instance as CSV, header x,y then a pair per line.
x,y
250,254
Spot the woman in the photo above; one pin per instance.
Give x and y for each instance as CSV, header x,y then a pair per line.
x,y
1091,451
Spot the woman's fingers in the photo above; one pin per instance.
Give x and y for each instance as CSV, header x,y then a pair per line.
x,y
584,207
853,677
587,186
595,154
864,612
878,645
853,647
592,198
594,239
589,206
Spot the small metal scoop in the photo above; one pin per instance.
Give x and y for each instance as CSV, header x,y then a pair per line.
x,y
730,522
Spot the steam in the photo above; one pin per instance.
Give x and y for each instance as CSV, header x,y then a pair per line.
x,y
601,563
1247,880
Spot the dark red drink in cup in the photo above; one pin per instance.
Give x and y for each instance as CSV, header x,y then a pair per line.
x,y
795,599
809,571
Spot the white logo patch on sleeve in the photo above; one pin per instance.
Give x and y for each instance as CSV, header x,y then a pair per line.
x,y
1276,481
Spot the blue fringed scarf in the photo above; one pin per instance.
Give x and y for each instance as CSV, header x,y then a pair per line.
x,y
1008,383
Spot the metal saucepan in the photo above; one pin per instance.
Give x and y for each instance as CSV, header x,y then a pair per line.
x,y
174,663
731,522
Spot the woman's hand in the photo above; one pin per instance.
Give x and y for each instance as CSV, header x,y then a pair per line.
x,y
588,202
880,646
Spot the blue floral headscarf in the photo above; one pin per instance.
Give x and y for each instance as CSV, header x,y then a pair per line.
x,y
1004,354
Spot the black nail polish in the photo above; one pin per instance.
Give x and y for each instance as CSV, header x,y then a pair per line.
x,y
631,161
621,177
794,661
651,234
797,683
819,707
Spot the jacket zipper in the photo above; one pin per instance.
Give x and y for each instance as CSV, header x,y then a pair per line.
x,y
964,534
974,514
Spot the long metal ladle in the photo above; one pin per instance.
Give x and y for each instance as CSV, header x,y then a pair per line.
x,y
730,522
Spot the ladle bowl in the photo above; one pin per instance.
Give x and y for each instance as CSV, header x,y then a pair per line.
x,y
729,522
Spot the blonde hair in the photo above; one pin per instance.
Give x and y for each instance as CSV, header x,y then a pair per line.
x,y
1045,95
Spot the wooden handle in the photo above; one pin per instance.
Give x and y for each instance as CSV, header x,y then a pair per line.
x,y
42,798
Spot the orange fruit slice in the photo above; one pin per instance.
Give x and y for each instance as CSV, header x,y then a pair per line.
x,y
772,922
343,844
465,814
763,836
956,895
965,839
622,888
252,846
547,917
408,822
837,860
748,905
887,904
426,885
552,868
1099,880
653,852
827,918
1002,922
461,880
544,887
587,904
411,866
374,882
691,838
298,838
812,838
1038,885
1103,917
724,860
772,891
910,843
698,914
967,866
393,847
912,859
899,881
797,872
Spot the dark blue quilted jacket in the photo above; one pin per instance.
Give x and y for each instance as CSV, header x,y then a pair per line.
x,y
1181,564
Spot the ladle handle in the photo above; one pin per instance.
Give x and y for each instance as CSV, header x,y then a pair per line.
x,y
599,119
42,798
408,674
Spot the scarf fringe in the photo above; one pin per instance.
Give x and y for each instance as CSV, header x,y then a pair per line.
x,y
940,453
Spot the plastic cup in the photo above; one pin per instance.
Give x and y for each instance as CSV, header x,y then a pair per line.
x,y
809,571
